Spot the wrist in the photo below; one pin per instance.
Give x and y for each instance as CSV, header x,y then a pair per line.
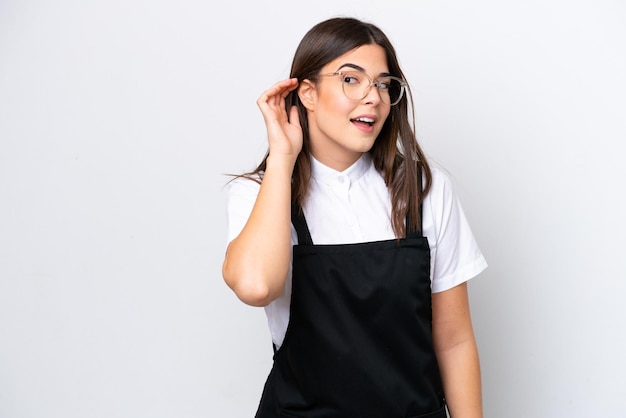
x,y
278,162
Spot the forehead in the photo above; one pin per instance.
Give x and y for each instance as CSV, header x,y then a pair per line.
x,y
371,58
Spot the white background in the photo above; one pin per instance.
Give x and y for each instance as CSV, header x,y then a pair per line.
x,y
119,119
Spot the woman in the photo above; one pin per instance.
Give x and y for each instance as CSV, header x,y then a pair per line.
x,y
356,247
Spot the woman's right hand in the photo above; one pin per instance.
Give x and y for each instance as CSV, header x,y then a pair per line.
x,y
283,128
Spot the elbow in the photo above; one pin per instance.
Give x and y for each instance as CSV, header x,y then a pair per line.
x,y
251,290
253,294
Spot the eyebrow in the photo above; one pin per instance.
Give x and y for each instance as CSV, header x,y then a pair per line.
x,y
361,69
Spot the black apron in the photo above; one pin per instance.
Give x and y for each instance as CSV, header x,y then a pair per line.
x,y
359,339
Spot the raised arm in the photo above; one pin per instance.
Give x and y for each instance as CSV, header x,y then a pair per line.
x,y
257,260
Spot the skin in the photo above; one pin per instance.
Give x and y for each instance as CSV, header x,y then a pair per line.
x,y
457,353
257,261
337,139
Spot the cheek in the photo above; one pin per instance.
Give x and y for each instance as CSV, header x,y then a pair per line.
x,y
334,112
332,101
385,114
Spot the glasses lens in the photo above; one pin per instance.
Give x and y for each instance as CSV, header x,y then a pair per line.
x,y
357,85
391,90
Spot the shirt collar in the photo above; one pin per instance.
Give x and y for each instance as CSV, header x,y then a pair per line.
x,y
325,174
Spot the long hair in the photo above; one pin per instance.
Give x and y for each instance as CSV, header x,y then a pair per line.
x,y
395,153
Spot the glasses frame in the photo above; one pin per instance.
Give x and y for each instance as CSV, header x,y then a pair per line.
x,y
403,85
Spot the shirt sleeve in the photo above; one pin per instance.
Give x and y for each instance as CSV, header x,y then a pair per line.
x,y
455,255
241,196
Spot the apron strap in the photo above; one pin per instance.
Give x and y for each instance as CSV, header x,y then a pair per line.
x,y
417,233
299,222
414,233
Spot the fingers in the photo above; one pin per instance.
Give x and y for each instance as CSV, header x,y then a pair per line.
x,y
272,101
284,132
275,95
294,116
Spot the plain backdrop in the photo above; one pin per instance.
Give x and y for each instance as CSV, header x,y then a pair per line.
x,y
119,120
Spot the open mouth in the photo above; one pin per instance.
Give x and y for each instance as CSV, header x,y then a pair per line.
x,y
365,121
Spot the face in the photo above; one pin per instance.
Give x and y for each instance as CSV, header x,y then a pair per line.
x,y
342,129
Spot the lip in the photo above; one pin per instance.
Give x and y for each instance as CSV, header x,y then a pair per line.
x,y
364,123
371,117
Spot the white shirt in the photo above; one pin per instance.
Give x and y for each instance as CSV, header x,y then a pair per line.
x,y
355,206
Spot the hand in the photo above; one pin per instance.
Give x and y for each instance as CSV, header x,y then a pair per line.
x,y
283,131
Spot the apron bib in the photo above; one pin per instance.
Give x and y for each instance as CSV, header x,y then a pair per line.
x,y
359,339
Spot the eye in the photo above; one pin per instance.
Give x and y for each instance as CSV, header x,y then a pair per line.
x,y
383,84
350,78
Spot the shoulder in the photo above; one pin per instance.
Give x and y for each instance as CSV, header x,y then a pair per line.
x,y
442,211
441,190
241,195
455,253
244,185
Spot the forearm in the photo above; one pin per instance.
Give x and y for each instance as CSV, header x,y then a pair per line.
x,y
257,260
460,372
457,354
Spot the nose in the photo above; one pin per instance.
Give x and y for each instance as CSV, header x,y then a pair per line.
x,y
372,95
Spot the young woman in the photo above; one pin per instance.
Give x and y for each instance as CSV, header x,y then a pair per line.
x,y
358,249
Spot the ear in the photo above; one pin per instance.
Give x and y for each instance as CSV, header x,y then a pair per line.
x,y
307,94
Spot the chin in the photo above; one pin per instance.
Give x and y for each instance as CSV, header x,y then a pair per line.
x,y
367,145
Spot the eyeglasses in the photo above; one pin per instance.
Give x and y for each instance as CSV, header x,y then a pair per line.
x,y
356,86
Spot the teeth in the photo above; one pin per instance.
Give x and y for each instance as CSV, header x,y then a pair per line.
x,y
366,120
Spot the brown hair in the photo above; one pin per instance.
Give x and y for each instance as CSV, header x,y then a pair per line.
x,y
395,153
